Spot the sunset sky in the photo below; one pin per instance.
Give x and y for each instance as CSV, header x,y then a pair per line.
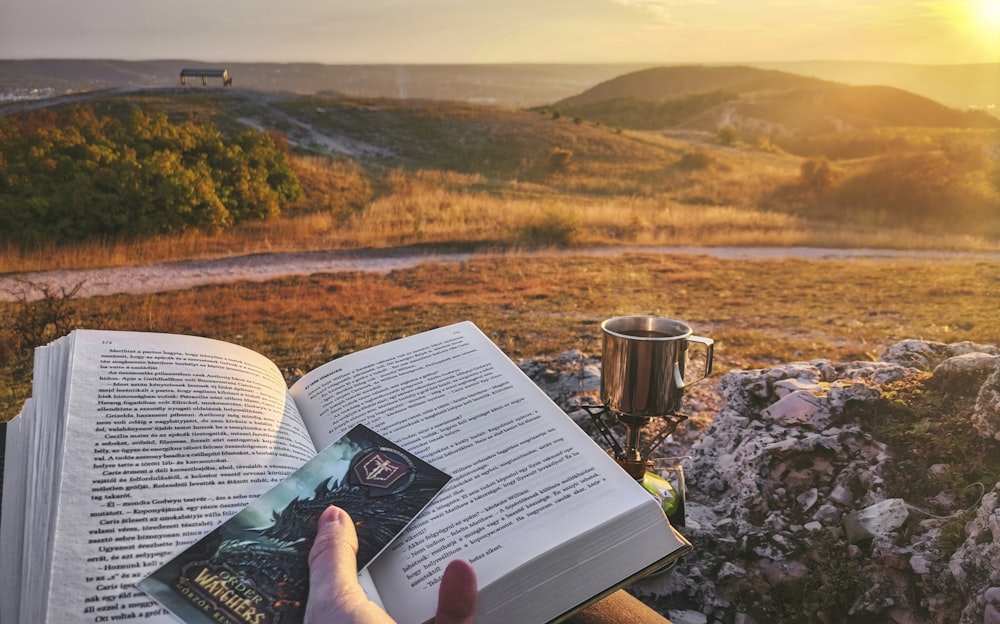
x,y
501,31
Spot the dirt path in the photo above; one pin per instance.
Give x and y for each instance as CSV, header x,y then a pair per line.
x,y
262,267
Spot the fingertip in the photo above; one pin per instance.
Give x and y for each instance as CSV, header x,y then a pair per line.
x,y
458,593
334,532
332,515
462,568
333,572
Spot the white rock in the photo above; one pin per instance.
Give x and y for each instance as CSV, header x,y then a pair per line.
x,y
843,392
827,514
992,615
729,570
938,471
573,356
807,499
687,617
968,365
878,519
920,564
799,408
958,573
961,348
915,353
781,573
841,495
877,372
787,386
992,595
986,414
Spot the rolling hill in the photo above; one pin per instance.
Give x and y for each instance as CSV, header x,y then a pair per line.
x,y
659,83
498,143
757,102
975,85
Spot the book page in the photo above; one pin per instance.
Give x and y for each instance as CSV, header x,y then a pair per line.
x,y
166,437
12,515
526,477
43,437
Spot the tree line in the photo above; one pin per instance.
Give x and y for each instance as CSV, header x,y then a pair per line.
x,y
74,174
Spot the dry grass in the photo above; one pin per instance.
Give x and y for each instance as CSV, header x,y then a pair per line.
x,y
440,208
760,312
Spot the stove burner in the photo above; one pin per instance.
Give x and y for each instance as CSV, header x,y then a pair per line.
x,y
634,456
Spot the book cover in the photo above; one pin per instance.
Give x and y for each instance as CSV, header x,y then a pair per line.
x,y
253,569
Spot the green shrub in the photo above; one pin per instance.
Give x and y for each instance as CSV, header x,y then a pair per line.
x,y
955,189
75,175
554,228
815,174
727,135
835,581
925,190
699,159
336,186
559,158
39,314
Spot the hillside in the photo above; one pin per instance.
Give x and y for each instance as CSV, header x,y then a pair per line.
x,y
757,102
348,154
833,109
660,83
496,142
958,86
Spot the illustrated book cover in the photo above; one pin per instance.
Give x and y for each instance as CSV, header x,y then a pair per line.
x,y
253,569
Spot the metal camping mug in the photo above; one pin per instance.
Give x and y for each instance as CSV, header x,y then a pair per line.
x,y
642,364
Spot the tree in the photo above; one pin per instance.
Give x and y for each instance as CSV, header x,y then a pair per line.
x,y
815,174
727,135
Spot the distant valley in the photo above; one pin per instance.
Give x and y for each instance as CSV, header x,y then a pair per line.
x,y
514,86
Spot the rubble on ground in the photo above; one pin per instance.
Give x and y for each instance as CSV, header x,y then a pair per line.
x,y
789,502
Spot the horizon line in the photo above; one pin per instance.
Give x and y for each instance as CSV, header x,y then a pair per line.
x,y
488,63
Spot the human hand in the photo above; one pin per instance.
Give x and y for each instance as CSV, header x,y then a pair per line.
x,y
335,597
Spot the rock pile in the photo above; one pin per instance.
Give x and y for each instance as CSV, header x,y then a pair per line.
x,y
790,505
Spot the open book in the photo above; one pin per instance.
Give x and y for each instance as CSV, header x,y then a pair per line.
x,y
135,445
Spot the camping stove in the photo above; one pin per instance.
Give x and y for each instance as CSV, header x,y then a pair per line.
x,y
643,363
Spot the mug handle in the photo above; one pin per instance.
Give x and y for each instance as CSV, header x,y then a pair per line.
x,y
709,345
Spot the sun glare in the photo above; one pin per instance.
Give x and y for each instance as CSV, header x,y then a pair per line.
x,y
979,18
986,16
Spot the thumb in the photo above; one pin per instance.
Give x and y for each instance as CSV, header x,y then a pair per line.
x,y
333,572
457,594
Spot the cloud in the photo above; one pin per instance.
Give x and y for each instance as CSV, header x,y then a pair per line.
x,y
662,10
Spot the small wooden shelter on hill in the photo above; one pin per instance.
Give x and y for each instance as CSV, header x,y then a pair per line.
x,y
205,74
